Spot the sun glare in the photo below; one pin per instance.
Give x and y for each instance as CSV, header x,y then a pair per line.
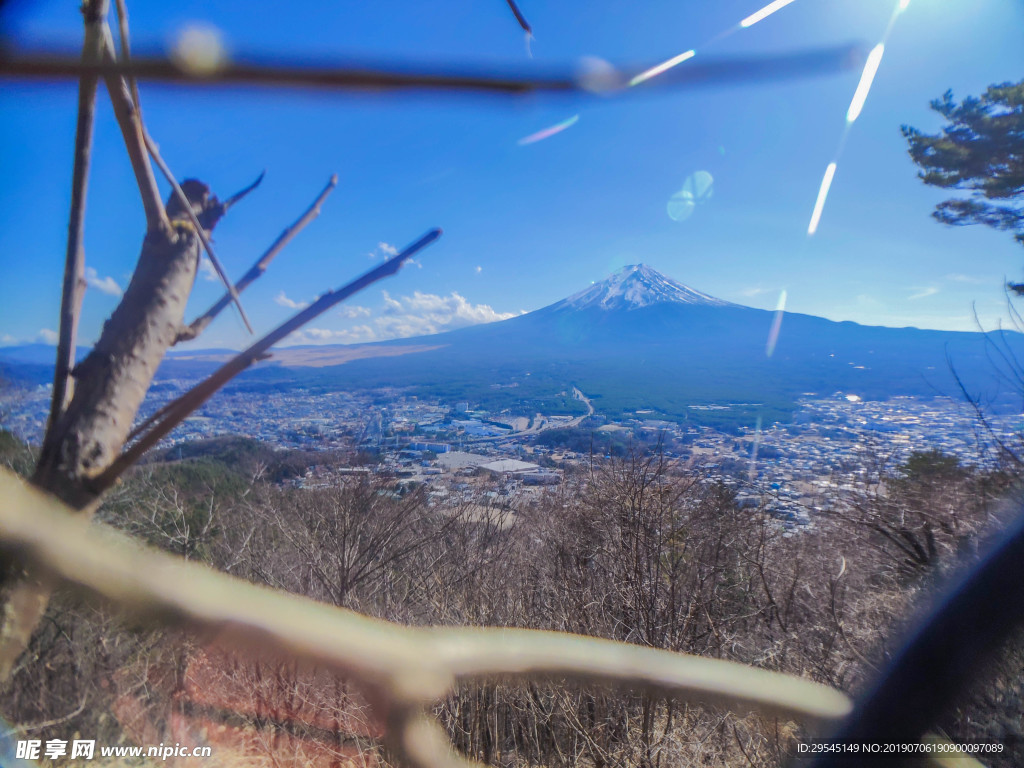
x,y
819,204
764,13
866,78
663,67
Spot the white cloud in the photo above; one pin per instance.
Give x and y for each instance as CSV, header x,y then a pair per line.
x,y
354,311
7,339
107,285
384,251
284,301
424,313
479,270
207,270
46,336
923,293
327,336
417,315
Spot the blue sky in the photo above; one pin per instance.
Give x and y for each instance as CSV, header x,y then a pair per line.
x,y
525,224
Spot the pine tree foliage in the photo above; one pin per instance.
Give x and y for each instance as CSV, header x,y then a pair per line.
x,y
980,150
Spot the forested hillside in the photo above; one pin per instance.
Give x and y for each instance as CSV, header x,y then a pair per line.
x,y
640,551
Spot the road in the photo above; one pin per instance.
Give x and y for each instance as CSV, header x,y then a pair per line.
x,y
578,394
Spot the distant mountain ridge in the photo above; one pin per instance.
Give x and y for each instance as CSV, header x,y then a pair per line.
x,y
640,341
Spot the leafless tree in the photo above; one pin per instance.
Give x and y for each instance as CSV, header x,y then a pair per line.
x,y
85,448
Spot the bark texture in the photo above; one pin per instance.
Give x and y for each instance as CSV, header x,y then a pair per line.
x,y
112,381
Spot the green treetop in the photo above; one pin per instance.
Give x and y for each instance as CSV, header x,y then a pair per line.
x,y
980,150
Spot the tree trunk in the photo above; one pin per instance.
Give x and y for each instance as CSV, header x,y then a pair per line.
x,y
110,385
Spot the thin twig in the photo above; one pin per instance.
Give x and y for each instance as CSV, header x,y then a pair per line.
x,y
132,131
254,273
180,409
280,73
74,258
257,269
154,152
29,728
239,195
151,147
519,17
126,53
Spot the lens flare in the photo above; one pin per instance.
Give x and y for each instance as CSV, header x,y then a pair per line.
x,y
598,76
680,206
548,132
866,78
697,189
199,49
773,334
765,12
663,67
819,204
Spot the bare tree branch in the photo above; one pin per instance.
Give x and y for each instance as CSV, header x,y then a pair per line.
x,y
112,381
126,53
226,204
254,273
399,668
257,269
519,17
151,146
416,740
74,260
200,229
281,73
131,129
178,410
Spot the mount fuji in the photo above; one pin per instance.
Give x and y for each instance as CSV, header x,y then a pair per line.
x,y
635,287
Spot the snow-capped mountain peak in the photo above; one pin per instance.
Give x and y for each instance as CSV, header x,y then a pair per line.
x,y
635,286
